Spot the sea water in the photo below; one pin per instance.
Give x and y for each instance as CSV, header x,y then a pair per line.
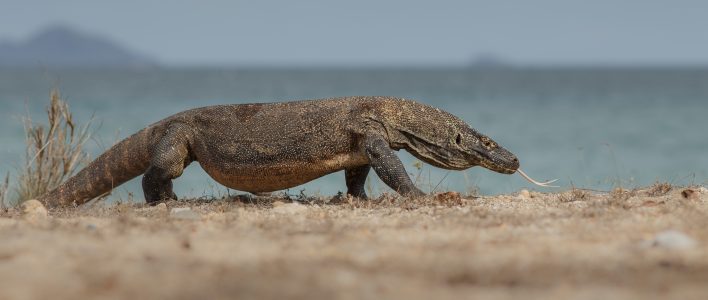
x,y
595,128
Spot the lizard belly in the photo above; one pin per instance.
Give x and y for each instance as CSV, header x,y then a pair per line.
x,y
268,177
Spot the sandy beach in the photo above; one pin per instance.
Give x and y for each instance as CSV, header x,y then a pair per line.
x,y
628,244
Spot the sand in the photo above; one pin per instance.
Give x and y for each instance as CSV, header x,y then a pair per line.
x,y
639,244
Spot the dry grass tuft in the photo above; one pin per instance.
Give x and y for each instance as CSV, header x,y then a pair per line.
x,y
449,198
4,187
574,194
53,152
659,189
619,197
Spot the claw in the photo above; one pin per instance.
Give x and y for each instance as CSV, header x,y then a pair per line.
x,y
543,184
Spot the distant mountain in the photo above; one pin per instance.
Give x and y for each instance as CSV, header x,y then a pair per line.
x,y
60,46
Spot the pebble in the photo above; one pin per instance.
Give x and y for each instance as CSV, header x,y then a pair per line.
x,y
524,194
33,210
690,194
161,207
672,239
184,213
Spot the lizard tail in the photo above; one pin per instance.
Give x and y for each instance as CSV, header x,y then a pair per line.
x,y
126,160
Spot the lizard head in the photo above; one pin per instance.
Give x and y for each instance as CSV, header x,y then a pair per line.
x,y
475,149
444,140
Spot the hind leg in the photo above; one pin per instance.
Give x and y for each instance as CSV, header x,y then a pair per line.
x,y
169,158
356,180
157,185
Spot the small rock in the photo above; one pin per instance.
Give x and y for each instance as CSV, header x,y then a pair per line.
x,y
703,190
672,239
161,207
34,210
524,194
690,194
290,208
180,209
184,213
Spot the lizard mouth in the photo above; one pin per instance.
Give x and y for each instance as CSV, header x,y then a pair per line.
x,y
503,162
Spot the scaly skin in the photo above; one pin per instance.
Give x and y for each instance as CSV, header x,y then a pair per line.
x,y
261,148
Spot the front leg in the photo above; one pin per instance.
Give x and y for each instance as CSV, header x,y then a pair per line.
x,y
389,168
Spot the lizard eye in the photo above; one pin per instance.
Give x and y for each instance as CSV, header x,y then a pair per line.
x,y
458,139
486,142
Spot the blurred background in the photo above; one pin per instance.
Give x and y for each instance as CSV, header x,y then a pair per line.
x,y
597,93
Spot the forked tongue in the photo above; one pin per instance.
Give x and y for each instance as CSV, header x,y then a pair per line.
x,y
543,184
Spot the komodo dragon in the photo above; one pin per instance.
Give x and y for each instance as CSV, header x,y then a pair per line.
x,y
265,147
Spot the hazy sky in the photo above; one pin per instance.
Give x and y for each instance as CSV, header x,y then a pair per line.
x,y
379,32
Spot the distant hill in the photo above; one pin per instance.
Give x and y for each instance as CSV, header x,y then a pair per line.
x,y
61,46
